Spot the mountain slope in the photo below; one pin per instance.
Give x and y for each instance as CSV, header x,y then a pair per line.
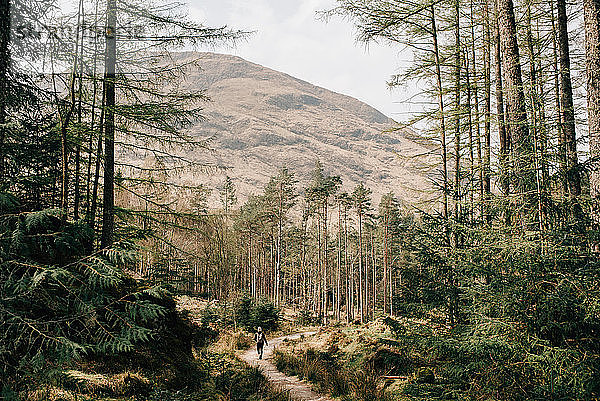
x,y
261,120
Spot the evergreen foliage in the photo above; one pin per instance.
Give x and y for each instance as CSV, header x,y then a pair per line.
x,y
251,313
59,300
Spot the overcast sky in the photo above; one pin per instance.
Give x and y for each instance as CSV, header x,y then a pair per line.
x,y
290,38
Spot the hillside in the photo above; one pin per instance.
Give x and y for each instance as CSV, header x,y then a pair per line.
x,y
260,120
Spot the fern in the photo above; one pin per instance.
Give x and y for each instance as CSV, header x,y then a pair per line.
x,y
60,301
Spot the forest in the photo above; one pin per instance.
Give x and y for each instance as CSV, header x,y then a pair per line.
x,y
119,282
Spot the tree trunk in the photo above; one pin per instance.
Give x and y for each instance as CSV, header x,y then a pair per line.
x,y
349,273
338,301
318,278
543,151
502,134
325,270
361,293
108,212
592,61
384,293
5,29
480,166
64,142
278,246
91,138
487,189
566,96
374,276
537,122
77,196
440,93
516,113
471,165
562,147
457,110
92,213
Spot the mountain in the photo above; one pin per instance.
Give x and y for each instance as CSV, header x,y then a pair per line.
x,y
260,120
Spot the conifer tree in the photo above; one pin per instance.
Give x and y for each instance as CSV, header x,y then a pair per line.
x,y
280,197
362,204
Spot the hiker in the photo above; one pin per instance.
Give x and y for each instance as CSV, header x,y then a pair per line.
x,y
261,341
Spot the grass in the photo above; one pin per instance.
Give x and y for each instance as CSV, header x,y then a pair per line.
x,y
352,363
231,341
325,372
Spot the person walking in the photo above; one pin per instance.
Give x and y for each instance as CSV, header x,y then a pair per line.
x,y
261,341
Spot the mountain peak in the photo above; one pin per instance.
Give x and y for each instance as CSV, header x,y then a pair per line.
x,y
261,120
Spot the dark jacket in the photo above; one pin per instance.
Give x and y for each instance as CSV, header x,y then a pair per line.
x,y
260,337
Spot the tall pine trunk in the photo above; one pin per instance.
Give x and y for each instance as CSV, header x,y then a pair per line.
x,y
487,50
325,271
457,111
108,211
5,28
278,247
480,167
501,122
361,291
566,96
537,122
561,149
471,165
592,61
516,113
384,294
338,276
440,95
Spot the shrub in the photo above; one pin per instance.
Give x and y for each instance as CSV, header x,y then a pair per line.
x,y
265,314
387,360
59,301
424,375
241,341
250,313
121,384
305,318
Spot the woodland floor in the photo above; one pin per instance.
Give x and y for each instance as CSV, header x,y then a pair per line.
x,y
298,390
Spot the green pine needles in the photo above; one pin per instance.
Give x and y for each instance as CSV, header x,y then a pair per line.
x,y
59,299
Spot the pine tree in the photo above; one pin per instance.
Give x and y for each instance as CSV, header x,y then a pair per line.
x,y
362,204
280,197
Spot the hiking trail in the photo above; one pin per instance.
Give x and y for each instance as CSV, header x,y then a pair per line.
x,y
299,390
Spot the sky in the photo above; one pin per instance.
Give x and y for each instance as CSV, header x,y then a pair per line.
x,y
291,38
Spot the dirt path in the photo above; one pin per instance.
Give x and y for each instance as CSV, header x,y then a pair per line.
x,y
298,389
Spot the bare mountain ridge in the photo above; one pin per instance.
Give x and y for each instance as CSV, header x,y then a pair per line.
x,y
261,120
